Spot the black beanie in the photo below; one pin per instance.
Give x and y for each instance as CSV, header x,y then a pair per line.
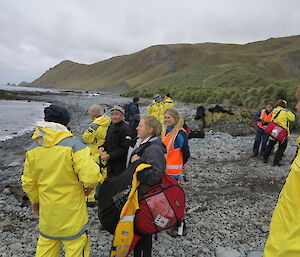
x,y
58,114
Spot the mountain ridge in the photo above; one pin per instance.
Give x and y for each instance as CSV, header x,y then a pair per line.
x,y
180,65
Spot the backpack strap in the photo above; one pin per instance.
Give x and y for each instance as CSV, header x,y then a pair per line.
x,y
277,114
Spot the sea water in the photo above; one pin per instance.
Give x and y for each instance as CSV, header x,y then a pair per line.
x,y
17,117
30,89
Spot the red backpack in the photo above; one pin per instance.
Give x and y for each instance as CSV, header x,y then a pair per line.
x,y
276,131
161,206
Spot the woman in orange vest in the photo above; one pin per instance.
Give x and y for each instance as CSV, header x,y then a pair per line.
x,y
262,117
178,152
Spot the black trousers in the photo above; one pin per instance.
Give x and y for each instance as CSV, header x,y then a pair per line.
x,y
260,137
279,153
144,246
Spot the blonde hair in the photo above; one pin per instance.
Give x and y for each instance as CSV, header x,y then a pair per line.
x,y
95,110
179,121
152,122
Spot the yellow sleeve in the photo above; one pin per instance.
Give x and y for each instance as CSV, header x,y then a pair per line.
x,y
86,168
149,110
291,116
29,183
89,135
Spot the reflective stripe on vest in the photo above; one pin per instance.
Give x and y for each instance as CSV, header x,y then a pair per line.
x,y
174,157
174,167
265,117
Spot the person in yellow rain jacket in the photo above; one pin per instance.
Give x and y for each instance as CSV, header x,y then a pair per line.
x,y
58,173
284,236
94,135
168,102
282,117
156,108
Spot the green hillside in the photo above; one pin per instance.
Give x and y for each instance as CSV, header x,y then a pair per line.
x,y
192,72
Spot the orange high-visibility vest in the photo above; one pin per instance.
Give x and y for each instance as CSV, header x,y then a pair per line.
x,y
265,117
174,157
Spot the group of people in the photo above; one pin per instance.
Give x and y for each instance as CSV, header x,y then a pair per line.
x,y
263,144
61,173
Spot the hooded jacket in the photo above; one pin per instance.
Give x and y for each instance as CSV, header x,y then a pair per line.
x,y
168,103
95,134
284,237
157,110
56,169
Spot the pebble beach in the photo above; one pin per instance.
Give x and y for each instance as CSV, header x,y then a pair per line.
x,y
231,195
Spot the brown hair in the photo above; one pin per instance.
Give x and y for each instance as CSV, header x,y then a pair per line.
x,y
152,122
178,120
281,103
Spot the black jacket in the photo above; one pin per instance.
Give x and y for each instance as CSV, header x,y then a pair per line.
x,y
134,113
117,142
152,152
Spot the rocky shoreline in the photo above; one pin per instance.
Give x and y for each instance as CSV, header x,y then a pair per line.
x,y
231,196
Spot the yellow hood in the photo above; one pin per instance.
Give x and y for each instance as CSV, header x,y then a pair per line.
x,y
49,134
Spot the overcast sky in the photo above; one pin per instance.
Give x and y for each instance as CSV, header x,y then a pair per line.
x,y
38,34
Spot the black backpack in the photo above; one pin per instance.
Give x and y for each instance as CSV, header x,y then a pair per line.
x,y
127,115
196,134
112,194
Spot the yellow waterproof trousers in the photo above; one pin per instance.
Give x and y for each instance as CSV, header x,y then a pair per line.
x,y
78,247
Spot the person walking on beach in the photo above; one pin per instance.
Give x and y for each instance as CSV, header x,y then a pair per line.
x,y
284,236
175,139
282,117
117,141
263,117
94,136
156,108
58,173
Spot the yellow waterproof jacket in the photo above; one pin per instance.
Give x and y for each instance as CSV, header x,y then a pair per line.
x,y
95,135
284,237
157,110
56,169
168,103
284,118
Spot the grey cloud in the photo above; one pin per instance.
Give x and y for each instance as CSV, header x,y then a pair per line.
x,y
36,35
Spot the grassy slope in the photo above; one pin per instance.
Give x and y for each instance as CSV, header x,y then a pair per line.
x,y
273,62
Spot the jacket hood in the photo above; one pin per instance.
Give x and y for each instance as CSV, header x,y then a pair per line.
x,y
49,134
102,121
